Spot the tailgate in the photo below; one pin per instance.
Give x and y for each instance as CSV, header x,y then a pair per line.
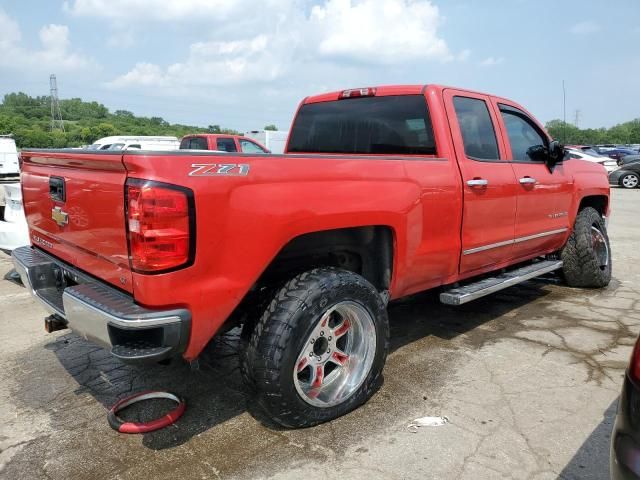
x,y
74,204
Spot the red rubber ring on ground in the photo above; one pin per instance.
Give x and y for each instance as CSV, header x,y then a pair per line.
x,y
121,426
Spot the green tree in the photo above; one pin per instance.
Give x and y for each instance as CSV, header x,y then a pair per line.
x,y
271,127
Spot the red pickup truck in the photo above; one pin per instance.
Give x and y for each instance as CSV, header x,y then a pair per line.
x,y
221,143
383,192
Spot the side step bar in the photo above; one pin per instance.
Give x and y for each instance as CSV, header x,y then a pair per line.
x,y
486,286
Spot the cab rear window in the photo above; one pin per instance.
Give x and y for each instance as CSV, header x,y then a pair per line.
x,y
397,124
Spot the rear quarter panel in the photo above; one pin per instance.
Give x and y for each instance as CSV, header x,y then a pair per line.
x,y
244,221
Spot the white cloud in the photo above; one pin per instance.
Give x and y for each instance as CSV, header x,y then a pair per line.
x,y
379,31
492,61
55,54
9,31
155,10
585,28
281,38
212,63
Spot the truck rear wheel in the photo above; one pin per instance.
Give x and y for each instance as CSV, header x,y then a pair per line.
x,y
587,255
318,350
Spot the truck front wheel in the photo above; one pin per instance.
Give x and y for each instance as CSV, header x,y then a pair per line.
x,y
318,350
587,254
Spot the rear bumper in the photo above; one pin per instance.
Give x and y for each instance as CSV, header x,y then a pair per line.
x,y
100,313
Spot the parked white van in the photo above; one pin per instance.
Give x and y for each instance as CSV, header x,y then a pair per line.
x,y
136,142
8,156
275,141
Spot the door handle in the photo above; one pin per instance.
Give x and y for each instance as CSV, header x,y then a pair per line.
x,y
528,181
478,182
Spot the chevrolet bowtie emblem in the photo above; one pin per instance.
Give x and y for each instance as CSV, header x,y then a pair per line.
x,y
60,217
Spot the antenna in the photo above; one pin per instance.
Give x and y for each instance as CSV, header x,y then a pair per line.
x,y
56,115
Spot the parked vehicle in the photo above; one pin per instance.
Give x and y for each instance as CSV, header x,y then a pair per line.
x,y
382,193
14,232
136,142
625,439
8,156
609,164
274,141
221,143
628,159
627,176
619,153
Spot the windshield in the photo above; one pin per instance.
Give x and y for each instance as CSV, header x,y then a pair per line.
x,y
376,125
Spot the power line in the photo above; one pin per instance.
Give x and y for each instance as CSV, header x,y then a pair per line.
x,y
56,115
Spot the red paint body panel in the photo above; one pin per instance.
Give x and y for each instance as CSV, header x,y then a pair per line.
x,y
243,222
94,239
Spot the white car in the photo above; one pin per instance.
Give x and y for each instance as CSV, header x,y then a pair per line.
x,y
8,156
608,163
14,232
136,142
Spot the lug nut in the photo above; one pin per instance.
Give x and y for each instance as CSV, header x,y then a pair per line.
x,y
322,334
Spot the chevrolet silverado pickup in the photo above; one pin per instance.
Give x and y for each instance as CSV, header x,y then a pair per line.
x,y
381,193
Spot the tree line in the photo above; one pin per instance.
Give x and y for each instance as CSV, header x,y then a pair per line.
x,y
29,118
569,134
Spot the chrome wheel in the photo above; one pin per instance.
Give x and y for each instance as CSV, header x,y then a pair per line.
x,y
600,247
337,357
630,181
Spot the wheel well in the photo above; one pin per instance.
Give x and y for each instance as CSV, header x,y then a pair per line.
x,y
367,251
598,202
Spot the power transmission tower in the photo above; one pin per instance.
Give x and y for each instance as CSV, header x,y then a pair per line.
x,y
56,115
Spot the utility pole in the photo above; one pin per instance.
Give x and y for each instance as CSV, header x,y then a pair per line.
x,y
56,115
564,114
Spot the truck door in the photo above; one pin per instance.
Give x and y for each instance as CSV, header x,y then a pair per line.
x,y
544,194
489,183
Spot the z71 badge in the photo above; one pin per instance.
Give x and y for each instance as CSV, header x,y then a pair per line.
x,y
216,169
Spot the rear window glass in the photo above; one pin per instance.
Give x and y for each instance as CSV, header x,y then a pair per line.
x,y
194,143
376,125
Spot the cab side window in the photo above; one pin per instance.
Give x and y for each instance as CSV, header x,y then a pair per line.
x,y
226,145
525,139
194,143
477,130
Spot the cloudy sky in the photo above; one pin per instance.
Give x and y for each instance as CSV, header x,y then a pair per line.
x,y
245,63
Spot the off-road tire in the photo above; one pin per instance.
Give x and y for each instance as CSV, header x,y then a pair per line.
x,y
278,337
581,267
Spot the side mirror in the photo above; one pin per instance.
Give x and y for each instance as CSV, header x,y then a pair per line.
x,y
557,153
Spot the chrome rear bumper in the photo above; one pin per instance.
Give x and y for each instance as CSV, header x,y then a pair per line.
x,y
99,312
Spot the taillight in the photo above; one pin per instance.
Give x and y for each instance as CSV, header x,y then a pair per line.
x,y
161,226
358,92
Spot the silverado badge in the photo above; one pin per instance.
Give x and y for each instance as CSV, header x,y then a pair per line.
x,y
60,217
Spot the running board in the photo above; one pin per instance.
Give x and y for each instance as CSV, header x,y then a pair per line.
x,y
486,286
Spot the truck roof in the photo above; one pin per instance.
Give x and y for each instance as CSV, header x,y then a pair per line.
x,y
383,90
